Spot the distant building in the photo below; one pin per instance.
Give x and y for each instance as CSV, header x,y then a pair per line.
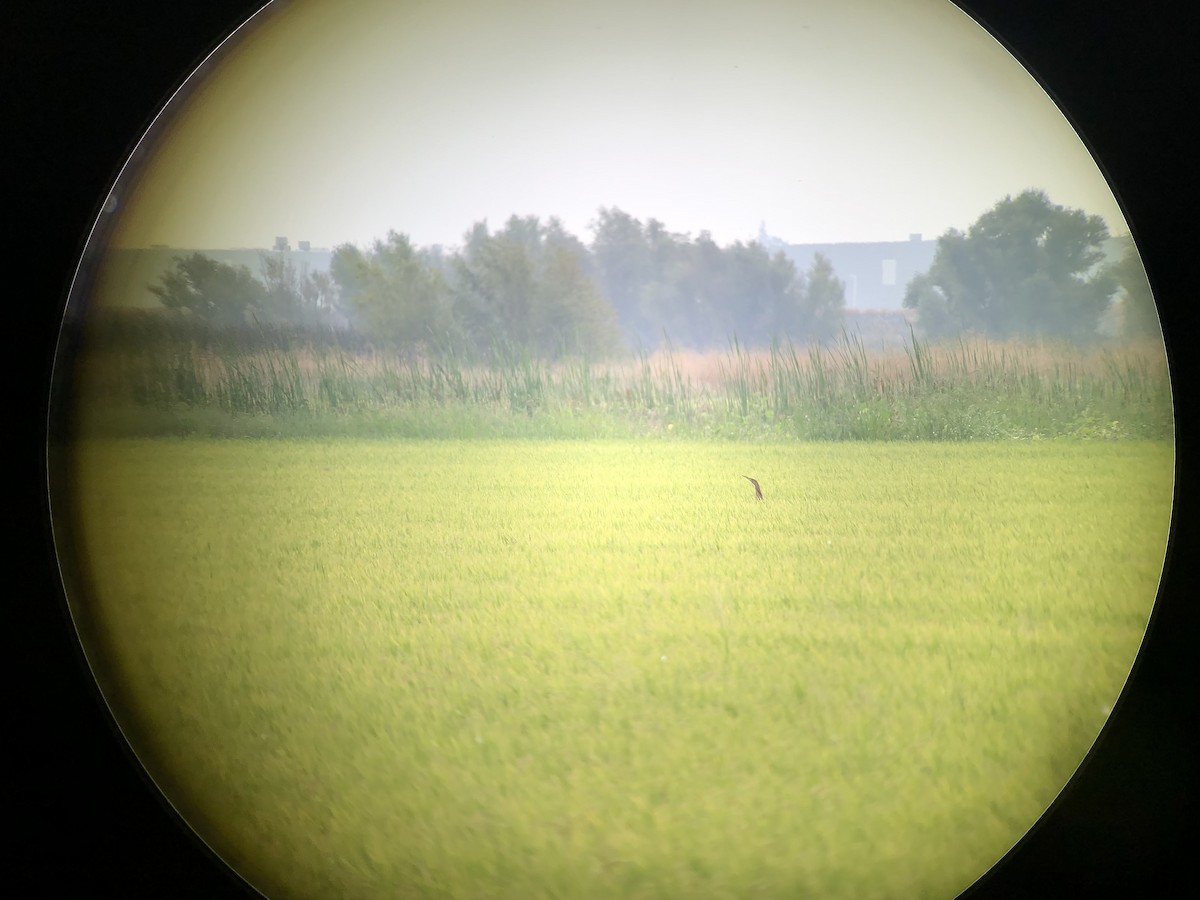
x,y
875,273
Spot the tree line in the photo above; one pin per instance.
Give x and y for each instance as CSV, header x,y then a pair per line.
x,y
531,285
1027,267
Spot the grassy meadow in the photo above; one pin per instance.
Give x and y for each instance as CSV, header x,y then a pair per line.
x,y
599,668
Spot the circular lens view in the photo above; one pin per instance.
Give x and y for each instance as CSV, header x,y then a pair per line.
x,y
611,450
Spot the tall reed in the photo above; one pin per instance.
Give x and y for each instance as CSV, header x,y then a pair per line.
x,y
967,389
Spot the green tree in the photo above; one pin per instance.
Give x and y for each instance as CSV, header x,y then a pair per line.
x,y
787,295
292,297
621,255
667,298
529,285
216,292
318,293
392,293
281,298
824,300
1135,301
747,292
493,284
693,290
937,319
573,316
1025,267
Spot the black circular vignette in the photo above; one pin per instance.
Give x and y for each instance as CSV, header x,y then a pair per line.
x,y
86,80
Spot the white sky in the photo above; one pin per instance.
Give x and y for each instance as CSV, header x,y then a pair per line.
x,y
830,120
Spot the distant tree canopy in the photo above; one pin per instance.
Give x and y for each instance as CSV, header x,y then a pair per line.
x,y
529,286
304,299
534,286
214,291
392,292
825,300
1137,311
701,294
1027,267
525,286
227,295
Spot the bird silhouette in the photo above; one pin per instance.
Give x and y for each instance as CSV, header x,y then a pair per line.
x,y
757,489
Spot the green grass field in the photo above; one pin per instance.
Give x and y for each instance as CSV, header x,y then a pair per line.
x,y
602,669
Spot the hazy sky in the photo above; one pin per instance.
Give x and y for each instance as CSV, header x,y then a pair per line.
x,y
830,120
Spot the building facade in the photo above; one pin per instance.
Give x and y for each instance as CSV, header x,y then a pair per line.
x,y
875,274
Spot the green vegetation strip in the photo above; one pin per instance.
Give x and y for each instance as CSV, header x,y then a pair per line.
x,y
571,669
181,384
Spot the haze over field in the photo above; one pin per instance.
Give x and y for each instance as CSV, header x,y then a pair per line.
x,y
846,121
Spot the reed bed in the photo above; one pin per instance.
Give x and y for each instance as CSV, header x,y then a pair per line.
x,y
965,390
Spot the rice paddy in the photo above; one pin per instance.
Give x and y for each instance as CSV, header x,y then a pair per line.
x,y
517,668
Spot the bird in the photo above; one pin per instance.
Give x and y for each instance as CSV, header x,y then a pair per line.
x,y
757,489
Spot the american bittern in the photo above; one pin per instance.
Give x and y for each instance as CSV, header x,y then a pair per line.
x,y
757,489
